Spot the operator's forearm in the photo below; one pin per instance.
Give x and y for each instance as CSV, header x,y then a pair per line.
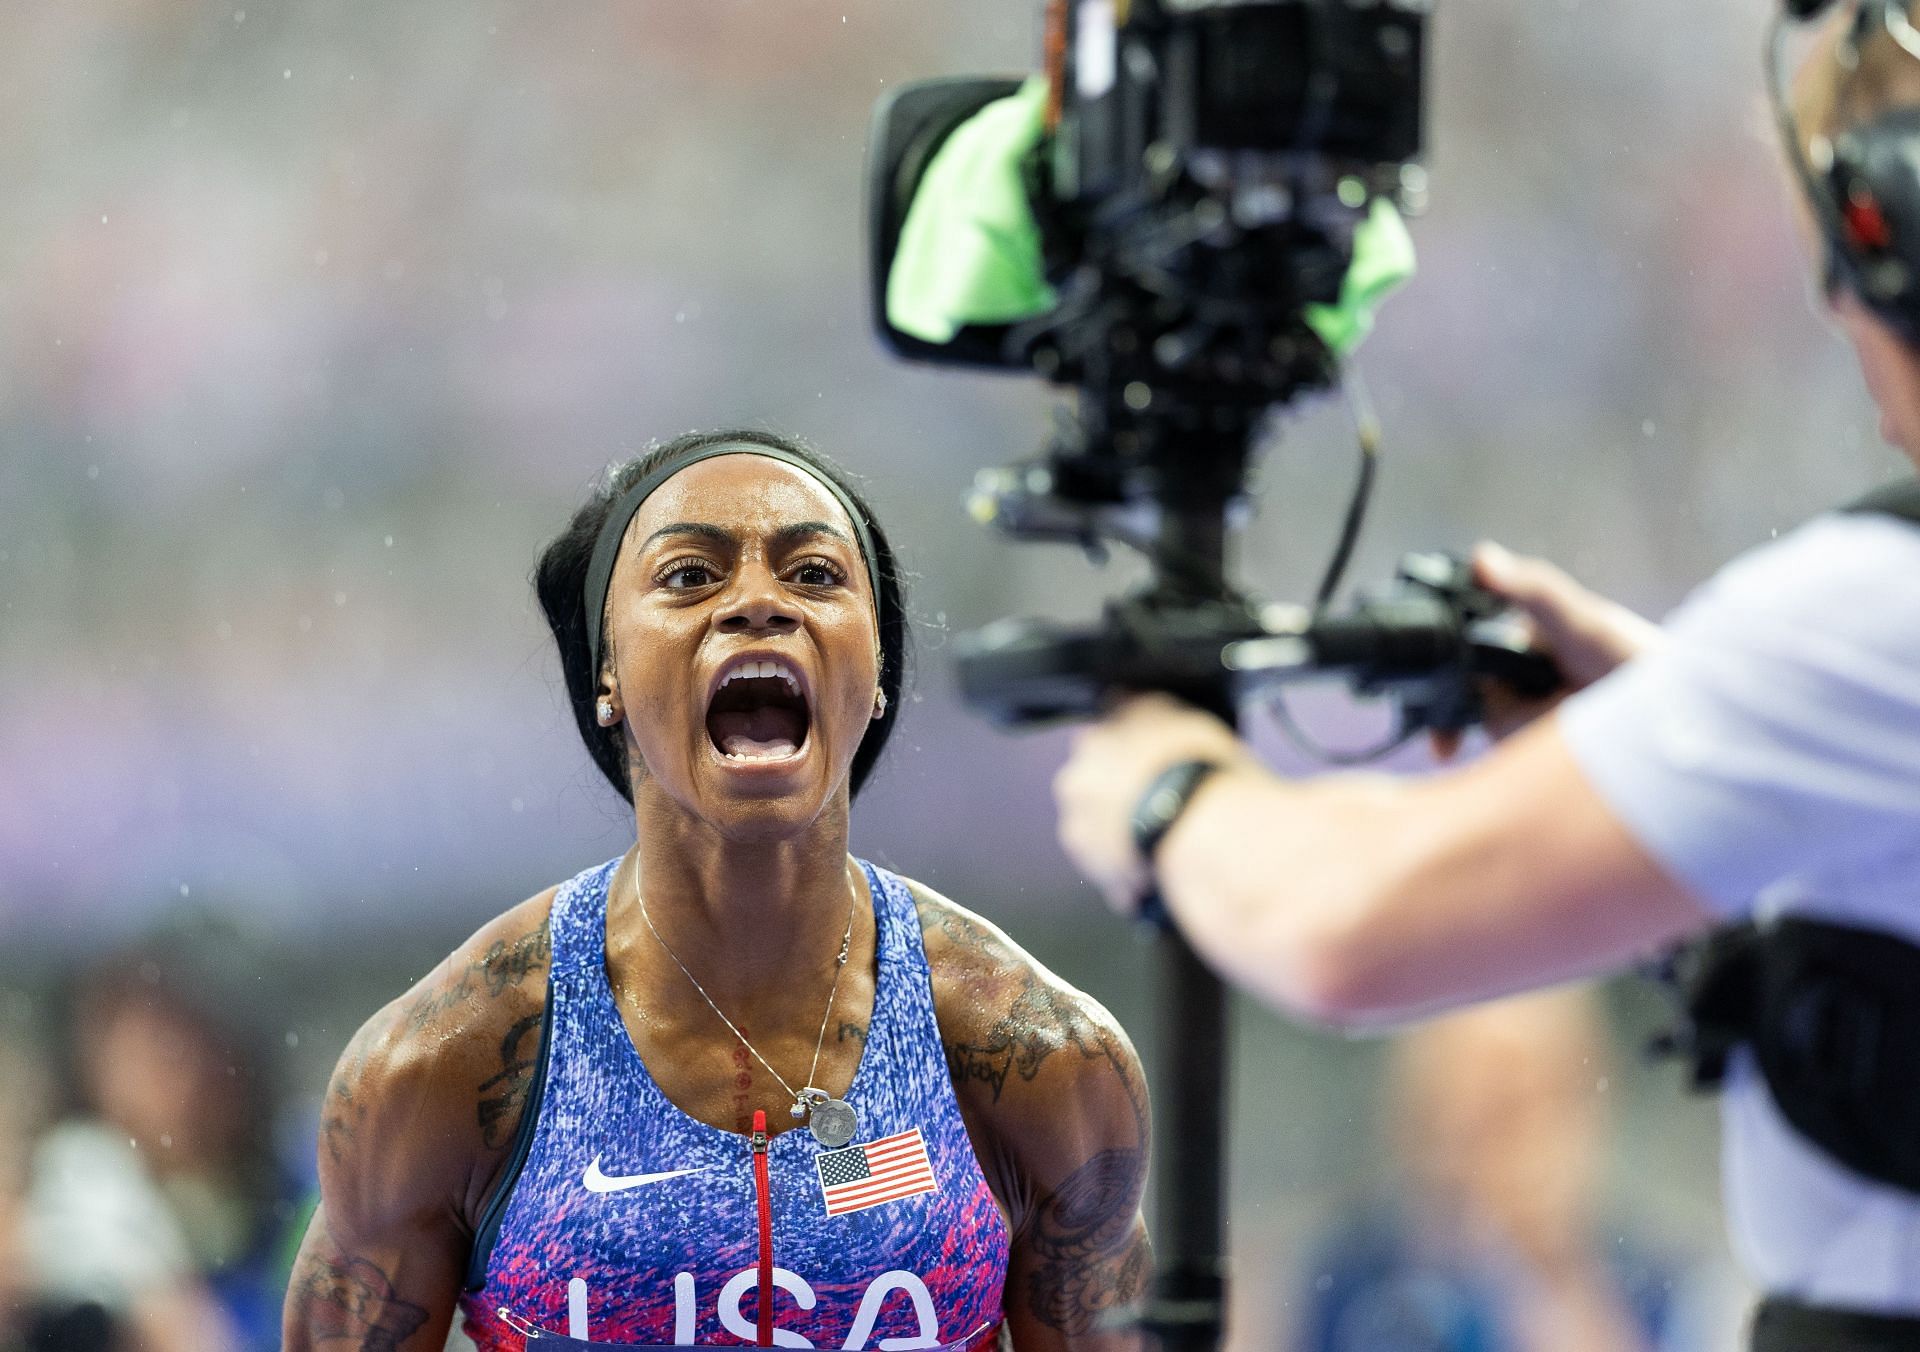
x,y
1360,900
1268,879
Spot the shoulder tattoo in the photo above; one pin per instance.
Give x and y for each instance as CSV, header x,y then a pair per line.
x,y
504,1095
1036,1024
342,1112
1038,1021
504,965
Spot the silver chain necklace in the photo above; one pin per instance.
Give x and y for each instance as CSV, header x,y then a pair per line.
x,y
832,1121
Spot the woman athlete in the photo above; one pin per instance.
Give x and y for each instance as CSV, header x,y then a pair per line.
x,y
734,1086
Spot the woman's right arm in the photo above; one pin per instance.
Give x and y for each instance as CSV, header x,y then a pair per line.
x,y
380,1267
418,1119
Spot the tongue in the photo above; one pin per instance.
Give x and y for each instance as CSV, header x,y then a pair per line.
x,y
757,734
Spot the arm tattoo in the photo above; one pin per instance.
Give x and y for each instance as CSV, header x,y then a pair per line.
x,y
954,926
503,966
852,1032
1092,1254
1036,1025
1039,1021
342,1114
504,1096
352,1301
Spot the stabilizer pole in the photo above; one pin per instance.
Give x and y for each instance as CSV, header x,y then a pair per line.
x,y
1187,1311
1188,1308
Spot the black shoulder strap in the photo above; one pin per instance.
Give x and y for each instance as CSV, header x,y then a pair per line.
x,y
1900,498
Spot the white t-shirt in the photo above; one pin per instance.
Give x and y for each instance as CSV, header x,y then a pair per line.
x,y
1768,755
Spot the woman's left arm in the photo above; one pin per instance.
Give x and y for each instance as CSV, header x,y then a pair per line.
x,y
1081,1265
1055,1100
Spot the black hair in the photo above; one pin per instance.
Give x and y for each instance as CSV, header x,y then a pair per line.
x,y
560,580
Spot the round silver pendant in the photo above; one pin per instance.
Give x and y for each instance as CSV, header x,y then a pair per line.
x,y
833,1123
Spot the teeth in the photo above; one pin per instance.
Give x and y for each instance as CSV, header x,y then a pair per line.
x,y
761,669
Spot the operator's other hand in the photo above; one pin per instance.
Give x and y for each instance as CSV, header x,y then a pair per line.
x,y
1584,633
1107,771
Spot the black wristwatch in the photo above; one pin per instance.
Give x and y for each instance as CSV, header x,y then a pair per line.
x,y
1154,815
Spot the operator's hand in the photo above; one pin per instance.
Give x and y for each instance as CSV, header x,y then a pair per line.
x,y
1110,766
1586,634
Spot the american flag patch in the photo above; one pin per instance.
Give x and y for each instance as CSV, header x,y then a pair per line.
x,y
859,1176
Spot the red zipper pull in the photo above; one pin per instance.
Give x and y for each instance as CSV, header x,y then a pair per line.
x,y
763,1194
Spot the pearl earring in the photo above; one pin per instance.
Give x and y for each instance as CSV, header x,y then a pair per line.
x,y
605,713
879,704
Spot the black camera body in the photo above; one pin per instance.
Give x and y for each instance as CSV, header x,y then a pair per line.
x,y
1204,171
1205,166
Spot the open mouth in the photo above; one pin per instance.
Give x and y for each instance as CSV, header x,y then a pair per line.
x,y
758,713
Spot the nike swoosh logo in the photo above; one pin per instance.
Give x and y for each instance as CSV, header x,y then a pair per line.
x,y
595,1181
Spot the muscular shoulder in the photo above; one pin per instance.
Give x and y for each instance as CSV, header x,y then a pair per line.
x,y
425,1100
1042,1062
1004,1016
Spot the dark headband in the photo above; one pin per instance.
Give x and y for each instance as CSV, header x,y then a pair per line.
x,y
606,548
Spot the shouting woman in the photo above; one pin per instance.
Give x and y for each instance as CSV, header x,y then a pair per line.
x,y
734,1086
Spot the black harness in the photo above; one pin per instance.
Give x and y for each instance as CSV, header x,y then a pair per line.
x,y
1831,1014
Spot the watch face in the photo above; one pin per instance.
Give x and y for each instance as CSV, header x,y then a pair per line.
x,y
832,1123
1163,802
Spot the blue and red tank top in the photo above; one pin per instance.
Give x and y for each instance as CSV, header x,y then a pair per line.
x,y
622,1223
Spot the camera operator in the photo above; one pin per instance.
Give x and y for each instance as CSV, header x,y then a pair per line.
x,y
1756,758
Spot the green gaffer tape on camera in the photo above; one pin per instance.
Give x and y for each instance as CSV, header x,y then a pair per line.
x,y
1382,260
969,249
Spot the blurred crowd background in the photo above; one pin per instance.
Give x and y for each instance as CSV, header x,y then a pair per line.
x,y
316,321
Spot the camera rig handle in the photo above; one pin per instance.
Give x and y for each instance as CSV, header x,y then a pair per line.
x,y
1426,642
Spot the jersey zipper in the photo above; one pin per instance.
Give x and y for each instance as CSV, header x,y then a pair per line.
x,y
763,1195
